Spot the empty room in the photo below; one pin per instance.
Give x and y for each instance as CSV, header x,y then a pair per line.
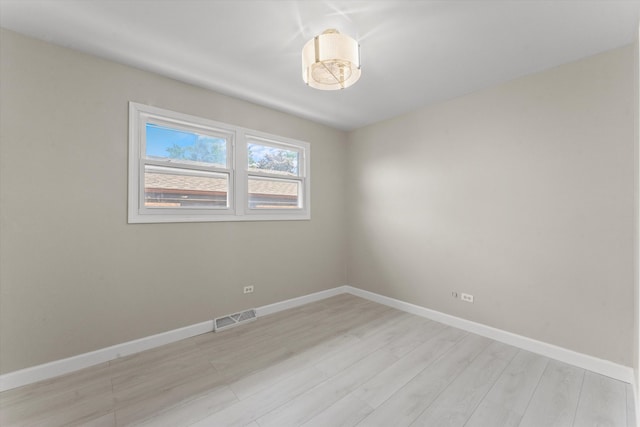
x,y
319,213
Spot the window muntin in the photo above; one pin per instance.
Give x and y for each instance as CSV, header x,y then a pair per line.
x,y
188,169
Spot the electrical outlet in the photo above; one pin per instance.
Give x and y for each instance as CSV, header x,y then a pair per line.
x,y
466,297
248,290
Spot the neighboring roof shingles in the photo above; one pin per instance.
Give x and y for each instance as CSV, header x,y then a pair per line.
x,y
161,181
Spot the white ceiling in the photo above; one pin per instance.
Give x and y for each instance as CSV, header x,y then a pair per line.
x,y
414,53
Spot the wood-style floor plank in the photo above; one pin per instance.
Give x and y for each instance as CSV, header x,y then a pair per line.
x,y
307,405
71,399
193,410
508,399
404,406
381,387
631,408
342,361
555,401
369,342
602,402
107,420
173,395
457,402
346,412
414,337
265,378
255,406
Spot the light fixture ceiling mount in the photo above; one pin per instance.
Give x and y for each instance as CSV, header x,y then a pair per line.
x,y
331,61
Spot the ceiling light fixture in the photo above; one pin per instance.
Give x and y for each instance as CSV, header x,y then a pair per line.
x,y
331,61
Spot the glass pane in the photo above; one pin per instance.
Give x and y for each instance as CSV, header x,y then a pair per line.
x,y
265,193
164,143
279,161
178,188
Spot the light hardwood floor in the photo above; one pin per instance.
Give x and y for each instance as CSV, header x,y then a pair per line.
x,y
343,361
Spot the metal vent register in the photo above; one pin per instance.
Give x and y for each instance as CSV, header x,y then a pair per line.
x,y
235,319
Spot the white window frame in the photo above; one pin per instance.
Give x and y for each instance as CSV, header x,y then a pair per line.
x,y
237,169
301,179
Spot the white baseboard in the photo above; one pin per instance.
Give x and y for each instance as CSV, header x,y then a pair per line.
x,y
590,363
81,361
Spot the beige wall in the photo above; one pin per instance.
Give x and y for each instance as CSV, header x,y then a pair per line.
x,y
521,194
74,276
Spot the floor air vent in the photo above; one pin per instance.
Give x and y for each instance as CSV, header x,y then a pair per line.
x,y
235,319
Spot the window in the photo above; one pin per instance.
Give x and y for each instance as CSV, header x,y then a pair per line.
x,y
273,175
189,169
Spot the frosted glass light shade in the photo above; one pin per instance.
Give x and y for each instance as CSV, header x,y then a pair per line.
x,y
331,61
